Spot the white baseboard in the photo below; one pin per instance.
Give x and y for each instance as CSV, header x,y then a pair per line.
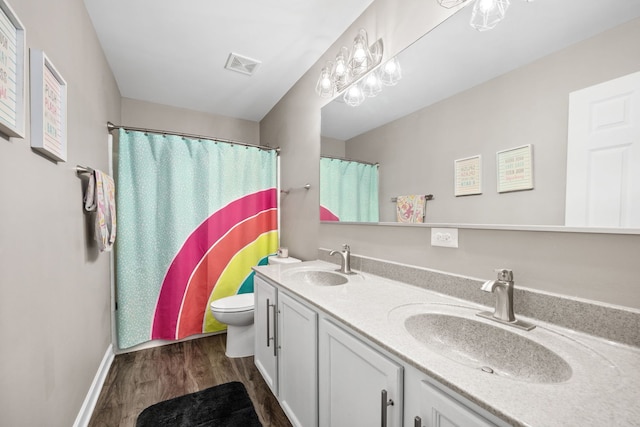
x,y
82,420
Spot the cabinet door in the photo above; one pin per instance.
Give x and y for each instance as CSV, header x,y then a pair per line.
x,y
265,356
353,379
297,361
441,410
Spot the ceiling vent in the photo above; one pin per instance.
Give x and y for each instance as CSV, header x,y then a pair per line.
x,y
241,64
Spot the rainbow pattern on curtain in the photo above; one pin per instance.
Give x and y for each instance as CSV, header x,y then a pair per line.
x,y
194,218
216,257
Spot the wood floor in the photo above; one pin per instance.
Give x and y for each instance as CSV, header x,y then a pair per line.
x,y
140,379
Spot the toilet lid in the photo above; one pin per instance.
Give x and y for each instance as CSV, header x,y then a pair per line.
x,y
234,303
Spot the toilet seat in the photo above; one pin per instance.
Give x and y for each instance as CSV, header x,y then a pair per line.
x,y
234,304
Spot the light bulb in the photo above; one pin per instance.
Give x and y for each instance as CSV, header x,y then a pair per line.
x,y
354,96
354,91
341,74
359,54
325,86
360,59
390,67
391,72
372,85
325,83
486,14
485,6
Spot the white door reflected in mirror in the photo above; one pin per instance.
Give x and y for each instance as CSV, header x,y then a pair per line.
x,y
603,155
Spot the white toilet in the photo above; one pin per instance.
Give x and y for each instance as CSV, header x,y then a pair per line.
x,y
237,313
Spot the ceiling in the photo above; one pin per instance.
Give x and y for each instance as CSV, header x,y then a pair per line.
x,y
174,52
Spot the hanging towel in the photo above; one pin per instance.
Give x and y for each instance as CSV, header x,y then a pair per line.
x,y
100,197
411,208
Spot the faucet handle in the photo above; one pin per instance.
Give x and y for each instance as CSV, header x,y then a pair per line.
x,y
346,247
504,274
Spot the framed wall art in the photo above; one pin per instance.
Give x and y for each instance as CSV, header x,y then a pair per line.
x,y
48,108
12,73
515,169
468,176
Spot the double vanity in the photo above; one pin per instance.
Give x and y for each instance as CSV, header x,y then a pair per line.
x,y
360,349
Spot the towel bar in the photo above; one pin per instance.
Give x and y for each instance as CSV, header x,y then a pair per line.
x,y
306,187
83,169
426,197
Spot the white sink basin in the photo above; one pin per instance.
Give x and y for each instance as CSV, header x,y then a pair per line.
x,y
319,277
539,356
490,348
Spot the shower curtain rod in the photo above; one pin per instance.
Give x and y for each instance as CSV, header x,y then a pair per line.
x,y
350,160
111,127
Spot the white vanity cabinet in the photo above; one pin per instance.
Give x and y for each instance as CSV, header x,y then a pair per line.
x,y
297,361
430,404
438,409
264,319
286,351
358,386
324,373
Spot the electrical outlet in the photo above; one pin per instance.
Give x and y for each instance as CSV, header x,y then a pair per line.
x,y
445,237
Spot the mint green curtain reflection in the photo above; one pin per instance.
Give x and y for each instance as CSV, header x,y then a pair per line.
x,y
348,191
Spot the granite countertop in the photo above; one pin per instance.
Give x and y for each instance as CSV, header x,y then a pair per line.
x,y
604,387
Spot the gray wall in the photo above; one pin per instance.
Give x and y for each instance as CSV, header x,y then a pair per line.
x,y
594,266
55,304
527,106
162,117
332,147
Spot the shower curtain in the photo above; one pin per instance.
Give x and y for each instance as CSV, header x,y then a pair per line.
x,y
348,191
193,217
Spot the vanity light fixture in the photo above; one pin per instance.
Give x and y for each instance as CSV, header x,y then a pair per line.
x,y
349,67
486,14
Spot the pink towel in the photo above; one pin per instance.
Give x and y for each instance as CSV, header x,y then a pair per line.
x,y
100,197
411,208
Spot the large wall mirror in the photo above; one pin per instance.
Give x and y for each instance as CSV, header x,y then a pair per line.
x,y
475,95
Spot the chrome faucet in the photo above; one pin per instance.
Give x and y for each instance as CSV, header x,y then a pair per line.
x,y
345,259
502,287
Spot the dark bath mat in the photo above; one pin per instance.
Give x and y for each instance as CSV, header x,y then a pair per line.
x,y
225,405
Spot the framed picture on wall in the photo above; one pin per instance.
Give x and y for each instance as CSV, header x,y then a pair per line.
x,y
12,73
515,169
468,176
48,108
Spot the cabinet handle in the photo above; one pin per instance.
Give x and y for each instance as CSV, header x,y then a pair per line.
x,y
384,402
268,324
275,330
417,422
269,337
